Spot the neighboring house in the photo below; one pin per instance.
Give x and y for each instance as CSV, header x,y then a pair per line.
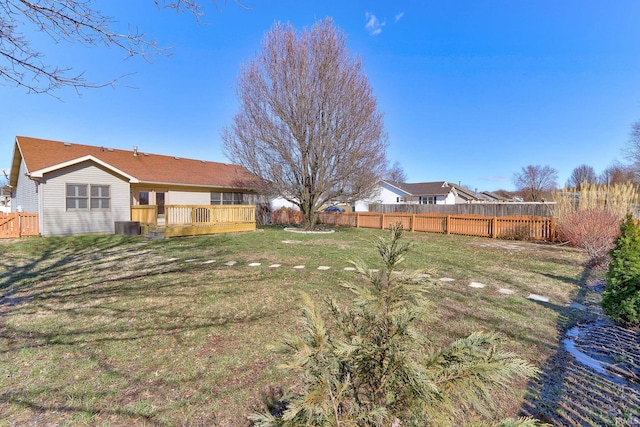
x,y
5,199
82,189
496,198
424,193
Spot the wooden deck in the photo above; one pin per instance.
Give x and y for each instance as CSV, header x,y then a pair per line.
x,y
193,220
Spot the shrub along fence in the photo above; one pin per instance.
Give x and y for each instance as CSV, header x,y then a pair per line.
x,y
511,227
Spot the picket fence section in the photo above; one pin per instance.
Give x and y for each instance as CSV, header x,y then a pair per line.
x,y
18,224
521,227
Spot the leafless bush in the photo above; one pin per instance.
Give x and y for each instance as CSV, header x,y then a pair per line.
x,y
590,218
593,229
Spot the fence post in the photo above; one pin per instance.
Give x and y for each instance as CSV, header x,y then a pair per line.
x,y
357,219
494,227
448,224
552,230
382,222
413,222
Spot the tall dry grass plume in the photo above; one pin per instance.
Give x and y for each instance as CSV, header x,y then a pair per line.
x,y
618,199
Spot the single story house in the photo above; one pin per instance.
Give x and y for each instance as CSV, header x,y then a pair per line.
x,y
83,189
5,199
424,193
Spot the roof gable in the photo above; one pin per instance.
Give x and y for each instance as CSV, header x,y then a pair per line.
x,y
437,188
41,156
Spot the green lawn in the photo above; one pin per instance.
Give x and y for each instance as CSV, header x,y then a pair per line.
x,y
109,330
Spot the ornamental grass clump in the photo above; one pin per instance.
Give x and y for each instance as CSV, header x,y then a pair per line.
x,y
621,297
370,366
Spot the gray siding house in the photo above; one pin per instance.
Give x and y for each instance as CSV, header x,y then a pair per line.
x,y
82,189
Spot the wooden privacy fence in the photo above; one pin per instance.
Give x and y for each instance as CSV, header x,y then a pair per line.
x,y
511,227
207,219
18,224
485,209
287,216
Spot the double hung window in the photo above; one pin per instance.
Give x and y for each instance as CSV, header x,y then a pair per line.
x,y
87,197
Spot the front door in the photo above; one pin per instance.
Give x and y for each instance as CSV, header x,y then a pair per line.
x,y
160,203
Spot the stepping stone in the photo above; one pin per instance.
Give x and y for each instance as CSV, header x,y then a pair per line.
x,y
540,298
477,285
349,269
324,267
254,264
275,265
230,263
298,267
577,306
172,259
190,260
209,261
506,291
447,279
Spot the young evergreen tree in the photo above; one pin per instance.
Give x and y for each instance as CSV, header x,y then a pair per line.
x,y
621,297
372,367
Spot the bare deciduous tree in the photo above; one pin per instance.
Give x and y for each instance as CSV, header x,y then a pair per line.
x,y
618,174
72,21
308,122
581,175
632,150
534,180
396,173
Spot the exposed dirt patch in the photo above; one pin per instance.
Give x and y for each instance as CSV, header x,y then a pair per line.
x,y
322,242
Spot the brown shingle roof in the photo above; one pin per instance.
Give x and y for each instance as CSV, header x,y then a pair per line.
x,y
39,154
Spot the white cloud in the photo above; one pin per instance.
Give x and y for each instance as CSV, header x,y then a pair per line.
x,y
399,16
374,26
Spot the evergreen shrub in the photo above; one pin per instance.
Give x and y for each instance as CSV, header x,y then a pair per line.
x,y
621,297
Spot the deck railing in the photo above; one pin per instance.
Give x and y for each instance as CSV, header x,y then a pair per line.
x,y
183,220
145,214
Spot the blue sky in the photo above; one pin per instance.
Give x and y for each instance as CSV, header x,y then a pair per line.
x,y
471,90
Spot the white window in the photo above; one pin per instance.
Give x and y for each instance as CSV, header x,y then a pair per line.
x,y
88,197
77,197
100,197
427,200
226,198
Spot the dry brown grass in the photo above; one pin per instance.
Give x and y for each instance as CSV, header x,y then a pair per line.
x,y
104,330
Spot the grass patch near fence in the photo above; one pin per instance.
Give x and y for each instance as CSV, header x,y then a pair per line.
x,y
115,330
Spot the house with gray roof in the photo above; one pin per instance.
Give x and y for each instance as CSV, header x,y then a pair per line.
x,y
421,193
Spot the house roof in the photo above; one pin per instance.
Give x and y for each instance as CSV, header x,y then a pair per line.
x,y
466,194
438,188
41,156
494,197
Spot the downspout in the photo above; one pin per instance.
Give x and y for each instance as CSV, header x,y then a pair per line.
x,y
39,190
